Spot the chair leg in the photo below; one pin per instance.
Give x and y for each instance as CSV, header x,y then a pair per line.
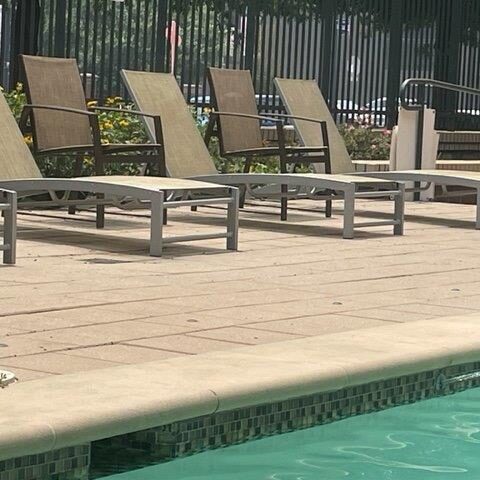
x,y
232,220
156,225
77,171
100,220
349,213
284,203
10,229
243,189
243,193
399,213
165,216
477,220
328,208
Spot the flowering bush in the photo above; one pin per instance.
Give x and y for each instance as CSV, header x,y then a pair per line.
x,y
366,143
16,99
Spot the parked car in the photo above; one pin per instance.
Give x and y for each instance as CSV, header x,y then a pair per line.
x,y
346,111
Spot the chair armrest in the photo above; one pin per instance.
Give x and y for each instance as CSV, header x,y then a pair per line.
x,y
289,150
125,111
29,107
322,123
296,117
245,115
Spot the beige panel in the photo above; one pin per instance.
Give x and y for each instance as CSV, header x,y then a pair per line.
x,y
159,94
303,98
56,81
16,161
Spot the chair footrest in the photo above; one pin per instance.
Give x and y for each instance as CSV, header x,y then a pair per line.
x,y
377,194
190,238
378,224
192,203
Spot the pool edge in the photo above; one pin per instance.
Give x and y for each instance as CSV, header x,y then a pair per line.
x,y
121,400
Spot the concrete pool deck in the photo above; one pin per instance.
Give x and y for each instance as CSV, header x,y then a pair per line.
x,y
70,410
80,299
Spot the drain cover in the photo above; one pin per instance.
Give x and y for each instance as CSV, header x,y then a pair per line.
x,y
6,378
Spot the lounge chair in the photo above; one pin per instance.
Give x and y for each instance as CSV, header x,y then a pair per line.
x,y
19,173
303,98
240,134
8,207
62,125
187,156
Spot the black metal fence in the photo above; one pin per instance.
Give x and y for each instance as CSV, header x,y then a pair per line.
x,y
359,50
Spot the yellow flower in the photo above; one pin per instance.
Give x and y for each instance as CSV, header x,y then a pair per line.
x,y
107,125
110,100
207,110
92,103
88,161
124,123
28,139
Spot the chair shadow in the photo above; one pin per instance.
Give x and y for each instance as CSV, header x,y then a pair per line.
x,y
101,241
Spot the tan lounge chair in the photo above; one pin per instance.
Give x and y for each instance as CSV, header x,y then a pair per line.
x,y
235,123
187,156
303,98
63,125
19,173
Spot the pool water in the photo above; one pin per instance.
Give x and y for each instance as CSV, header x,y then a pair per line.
x,y
436,439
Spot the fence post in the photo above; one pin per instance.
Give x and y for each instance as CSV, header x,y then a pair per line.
x,y
328,21
453,49
25,20
448,16
394,59
250,39
59,35
161,60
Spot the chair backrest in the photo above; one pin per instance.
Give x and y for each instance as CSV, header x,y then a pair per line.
x,y
158,93
57,82
303,98
16,161
232,91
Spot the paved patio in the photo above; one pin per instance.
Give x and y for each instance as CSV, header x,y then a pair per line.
x,y
81,299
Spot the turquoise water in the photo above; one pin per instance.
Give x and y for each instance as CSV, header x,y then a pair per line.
x,y
436,439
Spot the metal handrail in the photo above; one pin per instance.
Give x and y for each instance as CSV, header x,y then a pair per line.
x,y
420,107
429,82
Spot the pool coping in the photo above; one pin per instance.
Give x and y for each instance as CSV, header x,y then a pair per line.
x,y
45,415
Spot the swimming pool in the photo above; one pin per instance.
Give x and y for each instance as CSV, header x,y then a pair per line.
x,y
436,439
